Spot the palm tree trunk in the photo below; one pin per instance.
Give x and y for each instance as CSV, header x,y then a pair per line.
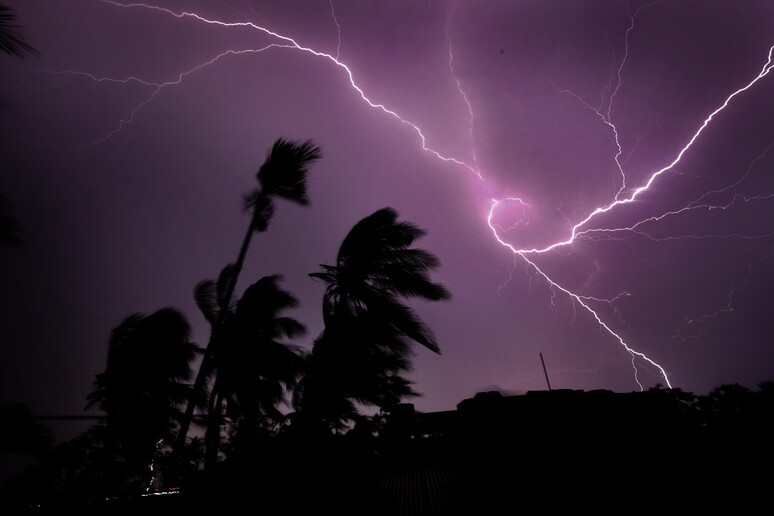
x,y
212,437
206,364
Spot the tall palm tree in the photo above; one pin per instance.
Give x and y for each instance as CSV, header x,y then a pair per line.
x,y
252,367
144,385
365,347
282,175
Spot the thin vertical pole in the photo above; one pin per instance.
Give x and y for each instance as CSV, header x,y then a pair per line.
x,y
544,371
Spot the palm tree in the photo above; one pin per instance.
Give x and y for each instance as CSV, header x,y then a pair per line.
x,y
282,175
252,368
365,347
144,385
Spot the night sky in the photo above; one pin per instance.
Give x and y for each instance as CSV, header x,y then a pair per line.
x,y
125,155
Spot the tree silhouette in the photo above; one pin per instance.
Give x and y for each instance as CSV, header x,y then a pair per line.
x,y
143,388
20,432
12,42
282,175
364,350
252,368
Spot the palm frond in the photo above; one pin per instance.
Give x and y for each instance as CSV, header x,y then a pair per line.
x,y
287,327
11,40
410,259
407,283
364,237
284,172
366,346
254,368
206,297
266,298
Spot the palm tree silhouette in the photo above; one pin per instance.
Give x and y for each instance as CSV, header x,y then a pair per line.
x,y
12,42
365,347
283,175
252,368
144,385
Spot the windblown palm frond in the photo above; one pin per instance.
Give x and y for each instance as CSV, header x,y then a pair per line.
x,y
11,40
375,267
366,345
206,297
255,363
145,382
284,172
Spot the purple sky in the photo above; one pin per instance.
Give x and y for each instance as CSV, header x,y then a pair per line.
x,y
122,217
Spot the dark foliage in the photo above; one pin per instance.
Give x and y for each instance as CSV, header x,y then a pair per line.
x,y
364,352
142,390
10,232
282,175
662,446
12,42
20,432
253,367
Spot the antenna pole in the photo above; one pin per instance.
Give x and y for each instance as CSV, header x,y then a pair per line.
x,y
545,371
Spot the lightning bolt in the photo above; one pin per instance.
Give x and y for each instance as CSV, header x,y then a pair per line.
x,y
529,379
651,179
157,87
527,255
289,43
338,30
693,205
575,230
95,78
580,301
471,115
729,306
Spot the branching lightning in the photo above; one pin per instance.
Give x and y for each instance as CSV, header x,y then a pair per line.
x,y
575,231
291,44
729,305
471,115
338,31
157,87
637,191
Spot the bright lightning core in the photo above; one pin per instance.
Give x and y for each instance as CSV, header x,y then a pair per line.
x,y
517,223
